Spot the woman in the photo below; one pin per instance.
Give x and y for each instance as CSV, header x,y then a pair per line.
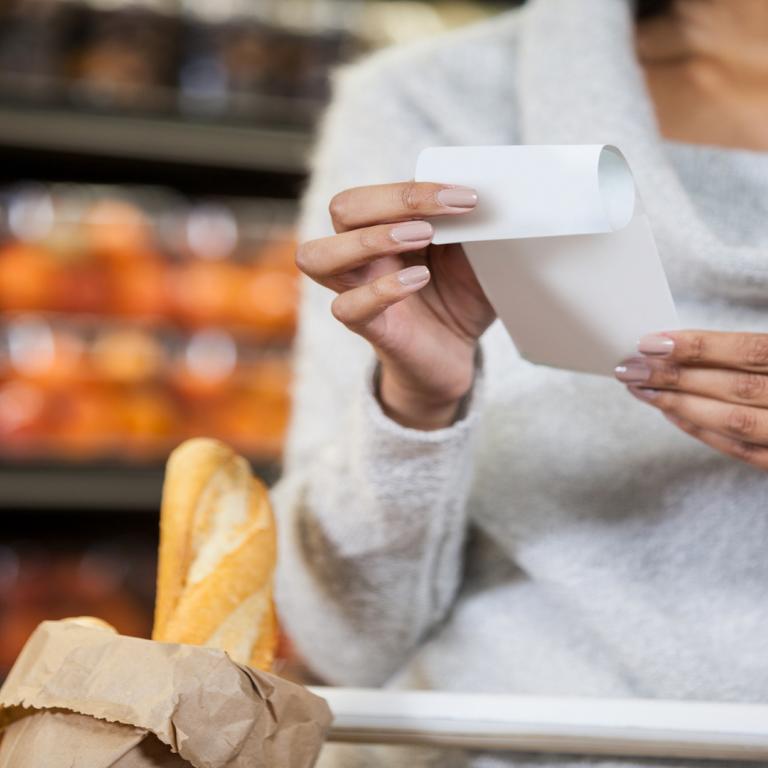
x,y
456,518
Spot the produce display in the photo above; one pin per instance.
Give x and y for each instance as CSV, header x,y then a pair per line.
x,y
199,58
107,576
123,332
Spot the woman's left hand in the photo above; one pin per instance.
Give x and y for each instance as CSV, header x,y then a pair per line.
x,y
712,385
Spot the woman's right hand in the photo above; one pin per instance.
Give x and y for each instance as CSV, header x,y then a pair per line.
x,y
419,305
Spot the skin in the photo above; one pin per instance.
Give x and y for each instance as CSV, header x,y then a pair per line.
x,y
714,386
706,68
425,333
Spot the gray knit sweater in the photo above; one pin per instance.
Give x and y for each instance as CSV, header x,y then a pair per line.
x,y
563,538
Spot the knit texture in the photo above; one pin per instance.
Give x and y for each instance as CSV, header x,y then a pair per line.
x,y
563,538
728,188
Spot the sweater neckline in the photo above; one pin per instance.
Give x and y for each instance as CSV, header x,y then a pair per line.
x,y
580,82
728,187
732,154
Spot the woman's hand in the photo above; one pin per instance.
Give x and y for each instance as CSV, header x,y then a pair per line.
x,y
712,385
419,305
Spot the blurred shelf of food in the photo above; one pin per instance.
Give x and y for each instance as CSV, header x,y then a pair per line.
x,y
133,319
150,255
206,81
198,59
169,140
52,567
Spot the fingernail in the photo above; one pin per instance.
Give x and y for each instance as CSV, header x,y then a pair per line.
x,y
632,372
656,344
457,197
412,232
644,393
413,275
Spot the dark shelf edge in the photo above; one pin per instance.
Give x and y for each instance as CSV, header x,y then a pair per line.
x,y
67,487
255,148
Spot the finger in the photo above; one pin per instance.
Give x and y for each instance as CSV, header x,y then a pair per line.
x,y
751,453
740,422
330,256
360,307
723,384
386,203
747,351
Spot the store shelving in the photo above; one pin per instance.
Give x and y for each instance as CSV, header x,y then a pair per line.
x,y
183,95
278,149
133,318
65,487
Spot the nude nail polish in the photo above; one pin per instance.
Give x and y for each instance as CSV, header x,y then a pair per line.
x,y
644,393
632,372
457,197
412,232
413,275
656,344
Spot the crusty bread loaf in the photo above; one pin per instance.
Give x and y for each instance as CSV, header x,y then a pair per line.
x,y
217,555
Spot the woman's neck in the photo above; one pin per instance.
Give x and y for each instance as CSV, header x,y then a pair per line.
x,y
706,67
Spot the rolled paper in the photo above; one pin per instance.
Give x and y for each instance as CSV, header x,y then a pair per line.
x,y
561,246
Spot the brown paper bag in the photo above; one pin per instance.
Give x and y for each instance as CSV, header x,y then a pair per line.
x,y
80,697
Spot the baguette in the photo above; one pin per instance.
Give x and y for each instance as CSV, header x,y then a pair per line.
x,y
217,555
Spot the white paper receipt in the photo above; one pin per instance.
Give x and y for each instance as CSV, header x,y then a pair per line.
x,y
562,247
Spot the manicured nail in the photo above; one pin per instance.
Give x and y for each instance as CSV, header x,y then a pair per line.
x,y
457,197
413,275
412,232
656,344
632,372
644,393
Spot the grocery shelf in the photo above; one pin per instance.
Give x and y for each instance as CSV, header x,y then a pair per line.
x,y
68,486
111,486
277,149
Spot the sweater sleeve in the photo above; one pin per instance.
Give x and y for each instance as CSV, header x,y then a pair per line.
x,y
371,514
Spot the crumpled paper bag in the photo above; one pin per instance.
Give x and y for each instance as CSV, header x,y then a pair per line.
x,y
80,697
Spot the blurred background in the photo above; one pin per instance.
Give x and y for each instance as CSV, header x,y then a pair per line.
x,y
151,156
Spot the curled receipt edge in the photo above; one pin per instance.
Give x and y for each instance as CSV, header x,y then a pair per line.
x,y
561,246
619,727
